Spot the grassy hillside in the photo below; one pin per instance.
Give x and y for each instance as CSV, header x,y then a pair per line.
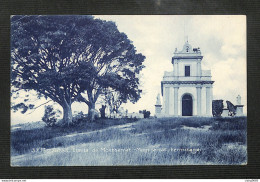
x,y
164,141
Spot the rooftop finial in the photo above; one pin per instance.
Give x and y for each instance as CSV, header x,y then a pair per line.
x,y
238,100
158,100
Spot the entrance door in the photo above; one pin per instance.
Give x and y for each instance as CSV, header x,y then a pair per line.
x,y
187,105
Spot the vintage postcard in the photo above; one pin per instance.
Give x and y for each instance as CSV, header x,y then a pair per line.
x,y
119,90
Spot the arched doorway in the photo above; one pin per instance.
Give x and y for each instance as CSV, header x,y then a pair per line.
x,y
187,105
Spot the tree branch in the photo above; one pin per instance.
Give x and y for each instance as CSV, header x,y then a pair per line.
x,y
39,106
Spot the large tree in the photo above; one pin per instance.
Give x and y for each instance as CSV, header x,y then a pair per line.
x,y
116,68
62,57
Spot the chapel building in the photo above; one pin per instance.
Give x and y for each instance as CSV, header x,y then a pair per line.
x,y
187,90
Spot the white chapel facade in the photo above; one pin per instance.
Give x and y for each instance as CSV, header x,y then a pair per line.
x,y
187,90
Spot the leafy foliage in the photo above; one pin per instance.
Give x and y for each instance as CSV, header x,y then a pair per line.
x,y
78,118
43,56
63,56
23,107
49,116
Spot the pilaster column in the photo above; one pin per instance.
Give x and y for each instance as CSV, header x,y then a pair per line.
x,y
198,88
167,94
176,89
177,69
208,95
199,69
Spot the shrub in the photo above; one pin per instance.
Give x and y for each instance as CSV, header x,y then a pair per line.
x,y
146,114
217,108
49,116
80,117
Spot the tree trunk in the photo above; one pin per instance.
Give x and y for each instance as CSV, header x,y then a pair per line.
x,y
67,114
91,111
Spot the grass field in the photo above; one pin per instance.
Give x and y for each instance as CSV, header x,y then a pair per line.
x,y
156,141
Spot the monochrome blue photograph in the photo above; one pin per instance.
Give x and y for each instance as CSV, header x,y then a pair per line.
x,y
128,90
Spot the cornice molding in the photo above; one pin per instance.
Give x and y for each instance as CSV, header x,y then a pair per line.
x,y
187,82
177,84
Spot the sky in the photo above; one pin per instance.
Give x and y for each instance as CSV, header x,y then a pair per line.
x,y
222,41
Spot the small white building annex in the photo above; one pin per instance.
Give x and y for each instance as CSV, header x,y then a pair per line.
x,y
187,90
